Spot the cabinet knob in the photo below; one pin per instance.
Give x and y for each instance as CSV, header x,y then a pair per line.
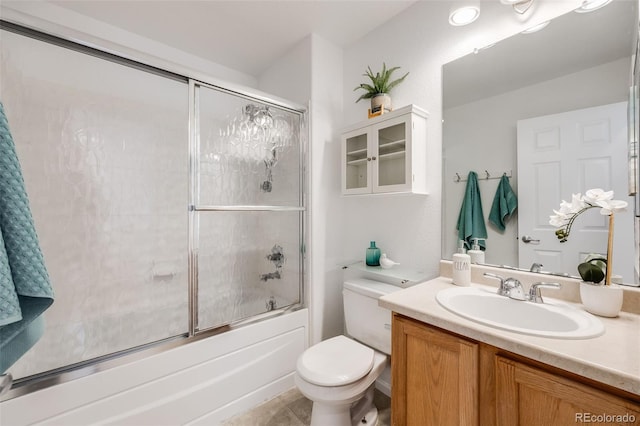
x,y
373,158
368,158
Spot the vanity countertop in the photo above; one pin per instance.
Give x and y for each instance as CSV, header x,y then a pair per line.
x,y
613,358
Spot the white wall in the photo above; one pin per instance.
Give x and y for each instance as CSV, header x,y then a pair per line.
x,y
477,140
309,74
420,41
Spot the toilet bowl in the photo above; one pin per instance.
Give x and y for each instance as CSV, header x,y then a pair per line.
x,y
339,374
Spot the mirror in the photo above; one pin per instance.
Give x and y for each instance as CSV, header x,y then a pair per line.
x,y
579,61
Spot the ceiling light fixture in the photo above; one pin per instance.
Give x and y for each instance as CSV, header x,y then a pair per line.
x,y
465,13
536,28
520,6
591,5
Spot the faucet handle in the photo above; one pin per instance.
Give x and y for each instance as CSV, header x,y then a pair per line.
x,y
534,291
497,277
502,290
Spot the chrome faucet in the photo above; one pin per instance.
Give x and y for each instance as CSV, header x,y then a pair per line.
x,y
507,286
536,267
512,288
534,291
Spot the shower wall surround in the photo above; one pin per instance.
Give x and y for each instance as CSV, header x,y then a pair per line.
x,y
105,155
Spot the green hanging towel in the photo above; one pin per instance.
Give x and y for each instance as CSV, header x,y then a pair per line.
x,y
22,269
504,204
471,219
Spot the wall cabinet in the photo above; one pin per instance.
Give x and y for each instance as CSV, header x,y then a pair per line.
x,y
439,378
386,154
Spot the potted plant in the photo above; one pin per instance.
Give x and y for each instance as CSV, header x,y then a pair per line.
x,y
378,90
598,295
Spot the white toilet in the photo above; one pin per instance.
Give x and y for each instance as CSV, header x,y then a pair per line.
x,y
339,374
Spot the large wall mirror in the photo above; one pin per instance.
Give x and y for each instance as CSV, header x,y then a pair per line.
x,y
548,109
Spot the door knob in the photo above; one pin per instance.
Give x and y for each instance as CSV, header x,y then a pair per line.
x,y
529,240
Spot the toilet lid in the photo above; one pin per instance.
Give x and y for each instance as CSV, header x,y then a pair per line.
x,y
335,362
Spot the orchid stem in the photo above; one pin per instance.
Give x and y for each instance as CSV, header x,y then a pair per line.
x,y
607,279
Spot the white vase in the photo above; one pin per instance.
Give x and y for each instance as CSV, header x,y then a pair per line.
x,y
602,300
379,101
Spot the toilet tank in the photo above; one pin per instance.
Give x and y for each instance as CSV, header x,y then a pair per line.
x,y
365,321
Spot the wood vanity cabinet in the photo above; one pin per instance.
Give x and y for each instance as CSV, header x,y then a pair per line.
x,y
439,378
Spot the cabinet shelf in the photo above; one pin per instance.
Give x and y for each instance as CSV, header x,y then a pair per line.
x,y
357,151
392,155
356,162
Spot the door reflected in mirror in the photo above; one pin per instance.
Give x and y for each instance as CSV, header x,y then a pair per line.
x,y
551,108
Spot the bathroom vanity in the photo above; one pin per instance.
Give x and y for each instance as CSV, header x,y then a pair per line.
x,y
450,370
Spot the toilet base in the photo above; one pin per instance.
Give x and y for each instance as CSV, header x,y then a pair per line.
x,y
360,413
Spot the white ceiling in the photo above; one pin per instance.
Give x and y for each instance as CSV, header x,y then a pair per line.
x,y
245,35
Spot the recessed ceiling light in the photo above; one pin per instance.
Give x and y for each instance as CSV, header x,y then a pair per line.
x,y
464,15
536,28
591,5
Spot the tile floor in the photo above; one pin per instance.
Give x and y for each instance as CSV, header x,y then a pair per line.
x,y
293,409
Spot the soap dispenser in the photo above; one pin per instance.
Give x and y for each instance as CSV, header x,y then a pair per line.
x,y
477,255
461,267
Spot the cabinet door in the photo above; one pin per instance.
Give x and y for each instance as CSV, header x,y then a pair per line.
x,y
434,376
529,396
391,155
356,162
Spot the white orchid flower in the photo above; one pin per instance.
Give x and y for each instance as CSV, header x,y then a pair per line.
x,y
611,206
557,220
593,196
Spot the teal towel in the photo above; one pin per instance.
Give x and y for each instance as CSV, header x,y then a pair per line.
x,y
504,204
22,269
471,219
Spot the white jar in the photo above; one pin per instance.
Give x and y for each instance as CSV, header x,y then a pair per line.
x,y
461,269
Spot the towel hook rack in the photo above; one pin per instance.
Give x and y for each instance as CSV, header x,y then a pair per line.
x,y
488,175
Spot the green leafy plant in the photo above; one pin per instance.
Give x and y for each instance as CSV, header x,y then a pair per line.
x,y
380,82
593,270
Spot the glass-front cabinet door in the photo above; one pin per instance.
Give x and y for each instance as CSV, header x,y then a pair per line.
x,y
356,170
392,144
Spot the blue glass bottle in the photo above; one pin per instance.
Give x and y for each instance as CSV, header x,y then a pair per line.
x,y
373,255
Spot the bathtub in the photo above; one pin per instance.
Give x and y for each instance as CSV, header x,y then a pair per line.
x,y
200,383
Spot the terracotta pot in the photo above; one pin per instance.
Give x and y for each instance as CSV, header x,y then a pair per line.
x,y
602,300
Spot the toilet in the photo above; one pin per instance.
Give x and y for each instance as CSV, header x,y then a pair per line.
x,y
338,375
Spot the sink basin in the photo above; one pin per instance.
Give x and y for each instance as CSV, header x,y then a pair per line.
x,y
548,319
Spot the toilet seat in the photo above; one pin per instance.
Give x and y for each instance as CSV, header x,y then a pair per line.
x,y
335,362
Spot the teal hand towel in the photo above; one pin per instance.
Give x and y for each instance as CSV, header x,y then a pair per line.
x,y
22,268
471,219
504,204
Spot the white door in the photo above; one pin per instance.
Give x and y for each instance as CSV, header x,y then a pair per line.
x,y
567,153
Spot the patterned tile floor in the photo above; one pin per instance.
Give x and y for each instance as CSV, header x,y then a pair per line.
x,y
293,409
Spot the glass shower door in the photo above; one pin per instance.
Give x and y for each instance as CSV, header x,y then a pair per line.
x,y
248,207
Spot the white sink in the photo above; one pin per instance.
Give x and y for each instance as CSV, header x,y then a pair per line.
x,y
548,319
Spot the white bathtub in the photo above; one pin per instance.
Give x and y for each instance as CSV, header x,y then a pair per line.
x,y
201,383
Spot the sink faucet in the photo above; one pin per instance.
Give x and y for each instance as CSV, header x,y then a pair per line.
x,y
534,291
536,267
512,288
507,285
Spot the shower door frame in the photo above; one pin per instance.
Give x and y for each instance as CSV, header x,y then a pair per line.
x,y
195,208
87,367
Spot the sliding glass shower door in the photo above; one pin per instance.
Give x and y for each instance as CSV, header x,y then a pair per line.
x,y
164,206
103,148
247,227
